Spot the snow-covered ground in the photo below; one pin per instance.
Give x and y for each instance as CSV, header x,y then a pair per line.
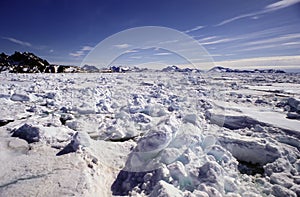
x,y
150,134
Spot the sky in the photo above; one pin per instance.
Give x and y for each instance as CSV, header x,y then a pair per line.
x,y
235,33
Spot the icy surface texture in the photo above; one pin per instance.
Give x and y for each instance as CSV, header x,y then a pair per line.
x,y
150,134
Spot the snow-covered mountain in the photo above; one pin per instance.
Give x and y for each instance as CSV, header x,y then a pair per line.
x,y
170,69
90,68
177,69
221,69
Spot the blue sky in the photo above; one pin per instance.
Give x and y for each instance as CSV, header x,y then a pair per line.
x,y
237,33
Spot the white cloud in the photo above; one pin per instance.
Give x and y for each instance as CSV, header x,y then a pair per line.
x,y
131,51
87,48
218,41
280,5
237,18
162,54
194,29
122,46
269,8
77,54
291,43
207,38
23,43
51,50
82,51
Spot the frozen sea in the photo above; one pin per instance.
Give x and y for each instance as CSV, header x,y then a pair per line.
x,y
150,134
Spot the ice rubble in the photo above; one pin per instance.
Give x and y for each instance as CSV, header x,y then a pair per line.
x,y
170,136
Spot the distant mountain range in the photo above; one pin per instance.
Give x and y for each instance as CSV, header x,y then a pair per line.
x,y
220,69
30,63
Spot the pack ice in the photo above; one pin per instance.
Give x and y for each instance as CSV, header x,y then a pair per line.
x,y
150,134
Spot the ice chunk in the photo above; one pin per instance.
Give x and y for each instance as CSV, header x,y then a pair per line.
x,y
19,97
188,135
18,145
217,151
212,174
154,110
208,141
177,171
280,191
293,103
250,150
198,193
211,191
233,122
169,155
155,140
27,132
281,179
293,115
163,189
191,118
229,184
80,139
141,118
279,165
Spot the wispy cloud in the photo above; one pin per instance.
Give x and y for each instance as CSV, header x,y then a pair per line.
x,y
255,40
263,62
77,54
87,48
160,54
122,46
194,29
207,38
269,8
136,57
131,51
82,51
219,41
291,43
16,41
280,5
237,18
283,38
168,42
260,47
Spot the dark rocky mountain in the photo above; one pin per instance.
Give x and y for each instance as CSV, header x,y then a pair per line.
x,y
119,69
221,69
30,63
